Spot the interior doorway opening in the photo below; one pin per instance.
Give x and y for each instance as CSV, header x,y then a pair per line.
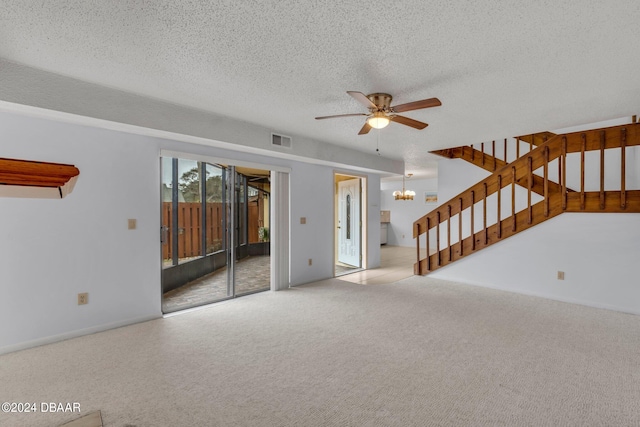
x,y
350,224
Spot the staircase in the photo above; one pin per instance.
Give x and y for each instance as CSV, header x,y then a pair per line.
x,y
491,163
520,194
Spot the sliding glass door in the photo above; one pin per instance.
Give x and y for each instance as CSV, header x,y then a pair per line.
x,y
207,253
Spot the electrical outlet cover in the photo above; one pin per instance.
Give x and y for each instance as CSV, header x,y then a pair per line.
x,y
83,298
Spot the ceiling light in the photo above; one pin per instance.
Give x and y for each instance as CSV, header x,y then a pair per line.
x,y
404,194
379,120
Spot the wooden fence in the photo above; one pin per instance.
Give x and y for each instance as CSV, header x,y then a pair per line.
x,y
190,227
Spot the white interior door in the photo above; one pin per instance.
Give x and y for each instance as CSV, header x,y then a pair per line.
x,y
349,223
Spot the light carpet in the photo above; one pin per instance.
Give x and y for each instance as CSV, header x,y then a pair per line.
x,y
419,352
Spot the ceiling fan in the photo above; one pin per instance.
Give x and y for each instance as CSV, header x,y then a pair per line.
x,y
381,112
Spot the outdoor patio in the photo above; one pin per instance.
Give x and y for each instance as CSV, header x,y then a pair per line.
x,y
253,274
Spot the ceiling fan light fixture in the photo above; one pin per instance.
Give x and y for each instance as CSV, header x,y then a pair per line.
x,y
379,120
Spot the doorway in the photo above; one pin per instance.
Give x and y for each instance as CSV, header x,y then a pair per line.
x,y
215,232
350,208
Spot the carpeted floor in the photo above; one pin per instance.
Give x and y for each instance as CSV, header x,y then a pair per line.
x,y
419,352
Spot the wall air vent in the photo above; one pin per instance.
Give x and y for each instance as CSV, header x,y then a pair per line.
x,y
280,140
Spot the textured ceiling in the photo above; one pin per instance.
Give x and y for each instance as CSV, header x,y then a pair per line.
x,y
500,68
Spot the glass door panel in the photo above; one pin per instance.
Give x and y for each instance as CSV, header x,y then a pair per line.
x,y
253,271
214,209
189,211
215,232
166,168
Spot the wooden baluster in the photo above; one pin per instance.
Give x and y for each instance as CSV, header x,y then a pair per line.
x,y
602,143
546,181
438,239
460,229
505,151
513,197
623,164
517,148
583,148
482,147
531,144
473,233
529,187
484,214
419,269
564,173
499,223
428,253
493,154
472,153
559,170
449,230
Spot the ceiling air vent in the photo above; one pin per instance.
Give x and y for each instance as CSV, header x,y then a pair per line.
x,y
280,140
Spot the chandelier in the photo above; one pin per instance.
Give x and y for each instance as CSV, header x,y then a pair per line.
x,y
404,194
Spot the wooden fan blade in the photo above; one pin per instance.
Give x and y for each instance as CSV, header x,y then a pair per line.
x,y
417,105
408,122
340,115
365,129
362,99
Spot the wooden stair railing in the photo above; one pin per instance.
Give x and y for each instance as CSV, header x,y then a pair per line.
x,y
556,199
491,164
491,161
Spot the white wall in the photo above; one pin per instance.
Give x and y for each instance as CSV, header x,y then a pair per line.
x,y
405,212
597,252
51,250
68,99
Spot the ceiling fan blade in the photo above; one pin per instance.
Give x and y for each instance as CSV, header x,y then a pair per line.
x,y
365,129
417,105
362,99
408,122
340,115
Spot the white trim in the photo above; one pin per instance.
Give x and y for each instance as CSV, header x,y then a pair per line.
x,y
60,116
223,161
540,295
74,334
279,233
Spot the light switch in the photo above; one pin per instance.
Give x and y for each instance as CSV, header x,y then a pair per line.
x,y
303,220
132,224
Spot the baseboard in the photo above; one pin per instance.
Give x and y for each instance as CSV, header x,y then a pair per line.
x,y
546,296
74,334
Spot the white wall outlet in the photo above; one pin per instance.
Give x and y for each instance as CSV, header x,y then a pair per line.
x,y
560,275
83,298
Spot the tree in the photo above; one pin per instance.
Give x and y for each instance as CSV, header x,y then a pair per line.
x,y
189,185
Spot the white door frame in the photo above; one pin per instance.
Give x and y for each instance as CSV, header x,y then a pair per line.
x,y
280,211
364,215
279,233
349,222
